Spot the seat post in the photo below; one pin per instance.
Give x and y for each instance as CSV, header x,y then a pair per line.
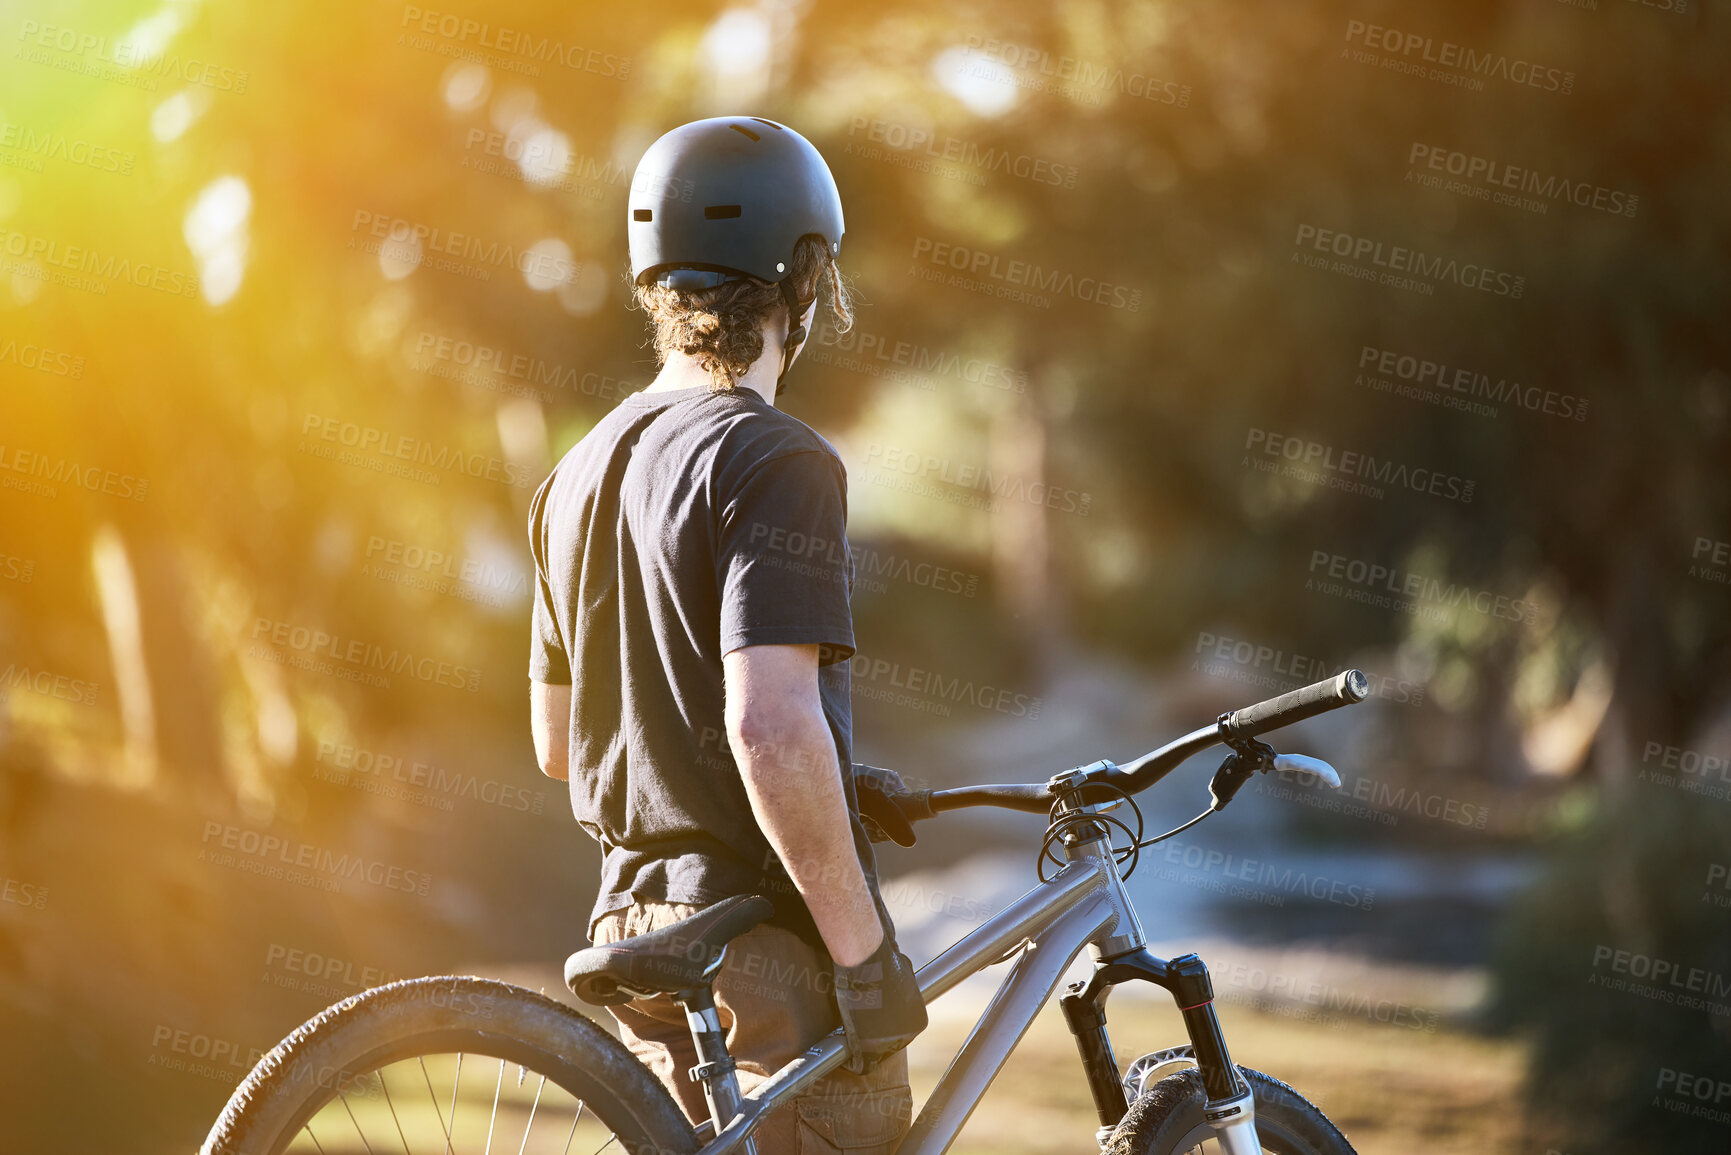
x,y
715,1067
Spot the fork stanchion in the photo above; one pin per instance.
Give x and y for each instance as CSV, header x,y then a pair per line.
x,y
1193,991
1087,1021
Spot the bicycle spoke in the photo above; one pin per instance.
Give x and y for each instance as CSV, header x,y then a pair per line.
x,y
393,1107
497,1087
574,1121
355,1121
440,1114
454,1083
393,1121
533,1107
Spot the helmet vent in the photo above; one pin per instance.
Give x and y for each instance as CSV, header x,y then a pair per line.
x,y
719,212
745,130
642,214
771,123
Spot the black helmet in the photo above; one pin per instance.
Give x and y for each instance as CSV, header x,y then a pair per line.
x,y
731,195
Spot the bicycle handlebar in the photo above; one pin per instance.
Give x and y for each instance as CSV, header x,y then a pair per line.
x,y
1032,797
1345,689
1351,686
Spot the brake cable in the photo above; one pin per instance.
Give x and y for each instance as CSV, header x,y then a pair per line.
x,y
1058,824
1248,756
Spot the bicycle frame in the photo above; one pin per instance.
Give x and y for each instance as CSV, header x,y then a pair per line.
x,y
1083,905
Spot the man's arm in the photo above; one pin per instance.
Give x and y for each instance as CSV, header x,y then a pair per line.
x,y
787,758
550,722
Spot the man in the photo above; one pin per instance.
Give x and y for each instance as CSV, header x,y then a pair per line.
x,y
689,663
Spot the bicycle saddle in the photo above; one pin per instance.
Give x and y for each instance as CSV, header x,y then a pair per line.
x,y
680,957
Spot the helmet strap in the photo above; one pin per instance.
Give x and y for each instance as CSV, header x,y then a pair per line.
x,y
795,332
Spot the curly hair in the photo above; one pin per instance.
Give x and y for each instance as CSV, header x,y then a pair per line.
x,y
723,326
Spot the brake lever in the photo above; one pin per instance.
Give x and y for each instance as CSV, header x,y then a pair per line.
x,y
1248,756
1229,779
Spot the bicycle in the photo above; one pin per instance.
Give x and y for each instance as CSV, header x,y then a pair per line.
x,y
337,1061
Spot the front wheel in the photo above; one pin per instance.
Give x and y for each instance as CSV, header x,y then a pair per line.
x,y
1167,1120
449,1065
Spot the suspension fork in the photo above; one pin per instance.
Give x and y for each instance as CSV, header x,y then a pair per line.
x,y
1230,1107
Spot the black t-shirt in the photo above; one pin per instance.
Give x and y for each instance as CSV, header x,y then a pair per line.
x,y
685,525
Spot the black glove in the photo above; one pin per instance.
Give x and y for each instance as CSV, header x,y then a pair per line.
x,y
880,1004
883,809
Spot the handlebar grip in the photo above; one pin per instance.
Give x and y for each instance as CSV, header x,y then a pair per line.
x,y
1343,690
1031,797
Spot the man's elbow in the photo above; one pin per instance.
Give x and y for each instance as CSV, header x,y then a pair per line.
x,y
760,733
554,765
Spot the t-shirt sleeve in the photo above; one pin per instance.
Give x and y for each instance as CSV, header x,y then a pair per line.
x,y
783,561
548,662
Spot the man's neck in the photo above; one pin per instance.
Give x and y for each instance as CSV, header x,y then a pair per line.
x,y
682,371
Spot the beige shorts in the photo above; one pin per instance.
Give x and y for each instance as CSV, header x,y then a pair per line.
x,y
774,999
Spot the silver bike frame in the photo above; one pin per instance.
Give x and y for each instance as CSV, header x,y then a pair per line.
x,y
1083,905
